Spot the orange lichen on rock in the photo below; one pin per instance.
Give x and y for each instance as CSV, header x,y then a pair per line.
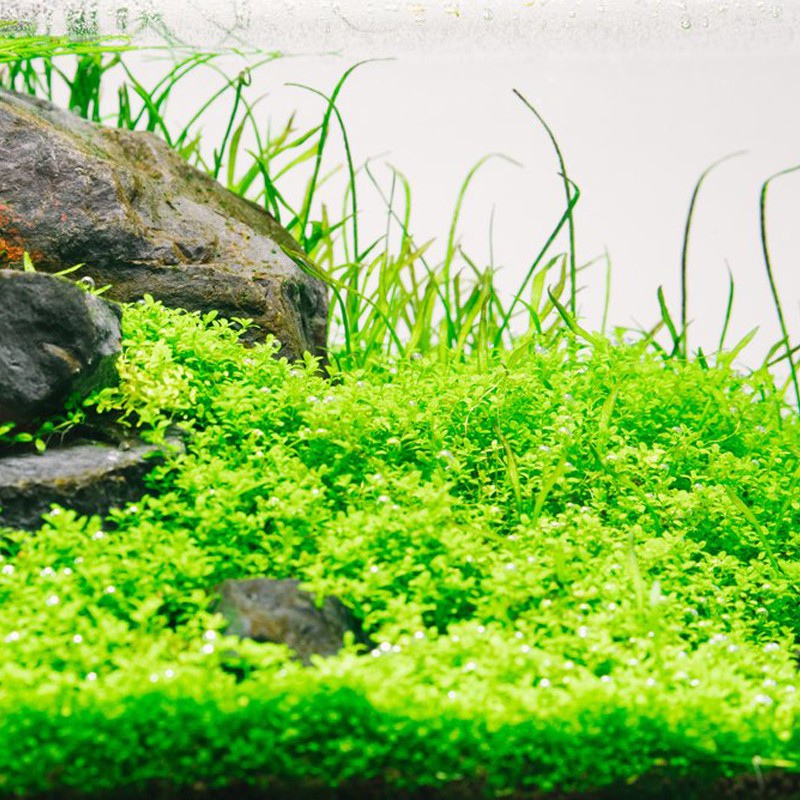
x,y
12,242
10,248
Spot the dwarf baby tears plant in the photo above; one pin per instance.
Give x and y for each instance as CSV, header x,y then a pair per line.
x,y
576,564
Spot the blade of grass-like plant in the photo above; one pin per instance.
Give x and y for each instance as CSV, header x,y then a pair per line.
x,y
243,79
771,362
491,236
570,321
512,470
154,99
726,359
450,249
550,239
348,156
685,249
771,278
494,299
309,267
568,185
476,302
543,312
407,237
607,300
748,514
728,309
420,329
323,137
547,486
604,421
667,317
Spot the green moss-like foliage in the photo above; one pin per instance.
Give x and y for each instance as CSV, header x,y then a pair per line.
x,y
577,565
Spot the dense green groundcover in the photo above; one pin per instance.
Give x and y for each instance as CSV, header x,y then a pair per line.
x,y
578,563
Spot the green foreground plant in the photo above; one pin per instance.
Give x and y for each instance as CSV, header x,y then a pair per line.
x,y
576,566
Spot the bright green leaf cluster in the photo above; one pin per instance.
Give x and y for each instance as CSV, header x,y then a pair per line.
x,y
576,564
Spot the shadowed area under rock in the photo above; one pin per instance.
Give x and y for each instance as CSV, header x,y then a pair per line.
x,y
269,610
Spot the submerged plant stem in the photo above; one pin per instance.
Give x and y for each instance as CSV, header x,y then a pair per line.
x,y
685,251
568,186
771,277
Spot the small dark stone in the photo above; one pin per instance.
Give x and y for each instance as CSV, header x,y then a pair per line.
x,y
56,340
86,478
144,221
269,610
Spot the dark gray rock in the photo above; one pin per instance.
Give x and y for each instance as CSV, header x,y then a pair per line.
x,y
144,221
87,478
269,610
56,340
